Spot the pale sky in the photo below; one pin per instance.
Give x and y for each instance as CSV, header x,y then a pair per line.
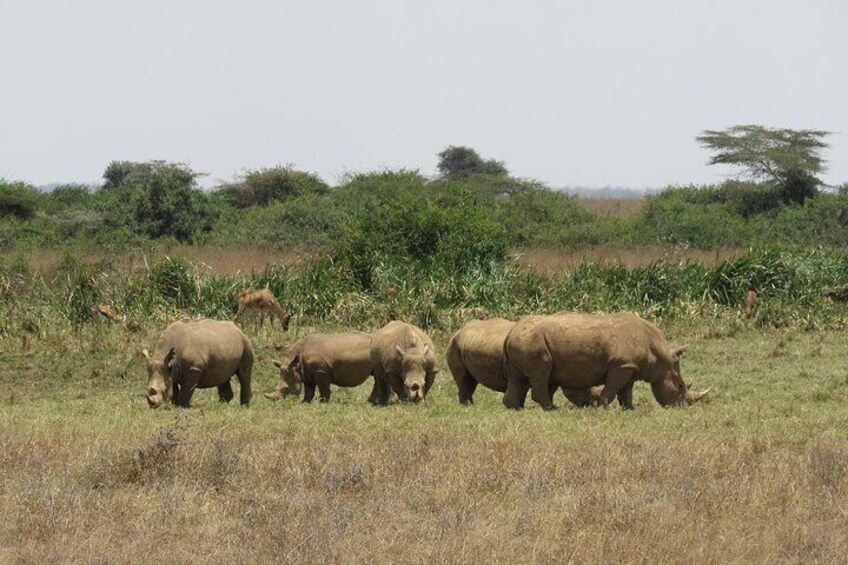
x,y
572,93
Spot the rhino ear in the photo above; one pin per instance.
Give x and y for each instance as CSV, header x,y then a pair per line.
x,y
145,355
688,383
426,350
399,350
676,353
278,364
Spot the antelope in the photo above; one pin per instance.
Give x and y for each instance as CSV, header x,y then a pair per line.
x,y
104,312
750,303
263,301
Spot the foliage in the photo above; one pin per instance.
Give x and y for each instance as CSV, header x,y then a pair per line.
x,y
263,186
767,153
451,232
155,199
77,196
18,200
460,161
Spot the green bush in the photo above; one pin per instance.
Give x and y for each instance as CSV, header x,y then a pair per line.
x,y
263,186
18,200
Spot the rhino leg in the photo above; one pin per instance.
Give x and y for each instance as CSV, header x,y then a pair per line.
x,y
175,394
323,379
466,385
225,392
516,393
617,379
625,396
380,394
308,390
189,383
540,392
372,398
244,373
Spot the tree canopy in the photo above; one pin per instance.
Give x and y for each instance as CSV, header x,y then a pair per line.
x,y
457,162
768,154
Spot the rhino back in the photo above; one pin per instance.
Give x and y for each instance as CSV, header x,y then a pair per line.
x,y
582,348
216,348
346,356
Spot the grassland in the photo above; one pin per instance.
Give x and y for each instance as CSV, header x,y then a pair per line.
x,y
755,473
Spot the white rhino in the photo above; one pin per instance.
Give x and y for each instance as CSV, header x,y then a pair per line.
x,y
475,355
404,361
199,354
342,359
579,351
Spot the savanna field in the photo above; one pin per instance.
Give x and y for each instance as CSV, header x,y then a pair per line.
x,y
755,472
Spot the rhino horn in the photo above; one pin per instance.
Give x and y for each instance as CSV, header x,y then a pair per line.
x,y
692,396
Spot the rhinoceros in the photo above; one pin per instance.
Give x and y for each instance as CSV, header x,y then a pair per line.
x,y
580,351
342,359
404,361
475,355
199,354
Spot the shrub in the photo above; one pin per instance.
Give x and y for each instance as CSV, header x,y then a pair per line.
x,y
264,186
18,200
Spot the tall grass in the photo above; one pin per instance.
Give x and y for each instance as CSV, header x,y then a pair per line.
x,y
795,288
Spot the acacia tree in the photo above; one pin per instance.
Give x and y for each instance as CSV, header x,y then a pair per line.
x,y
787,158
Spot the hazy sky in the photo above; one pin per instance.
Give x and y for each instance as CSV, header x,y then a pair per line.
x,y
587,92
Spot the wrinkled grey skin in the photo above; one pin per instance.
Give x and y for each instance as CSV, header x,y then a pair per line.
x,y
404,362
199,354
579,351
319,360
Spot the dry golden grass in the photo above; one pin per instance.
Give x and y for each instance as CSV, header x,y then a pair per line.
x,y
221,260
614,207
756,473
229,261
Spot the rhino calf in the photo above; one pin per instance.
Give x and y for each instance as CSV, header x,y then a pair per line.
x,y
404,361
201,354
319,360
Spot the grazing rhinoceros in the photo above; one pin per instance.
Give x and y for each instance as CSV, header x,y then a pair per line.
x,y
342,359
199,354
404,361
580,351
475,355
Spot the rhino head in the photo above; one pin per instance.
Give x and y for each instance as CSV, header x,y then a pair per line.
x,y
668,386
414,372
161,377
291,381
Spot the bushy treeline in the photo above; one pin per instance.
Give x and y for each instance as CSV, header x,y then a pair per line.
x,y
471,213
798,289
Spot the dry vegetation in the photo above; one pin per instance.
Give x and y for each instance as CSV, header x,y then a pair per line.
x,y
755,473
229,261
615,207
